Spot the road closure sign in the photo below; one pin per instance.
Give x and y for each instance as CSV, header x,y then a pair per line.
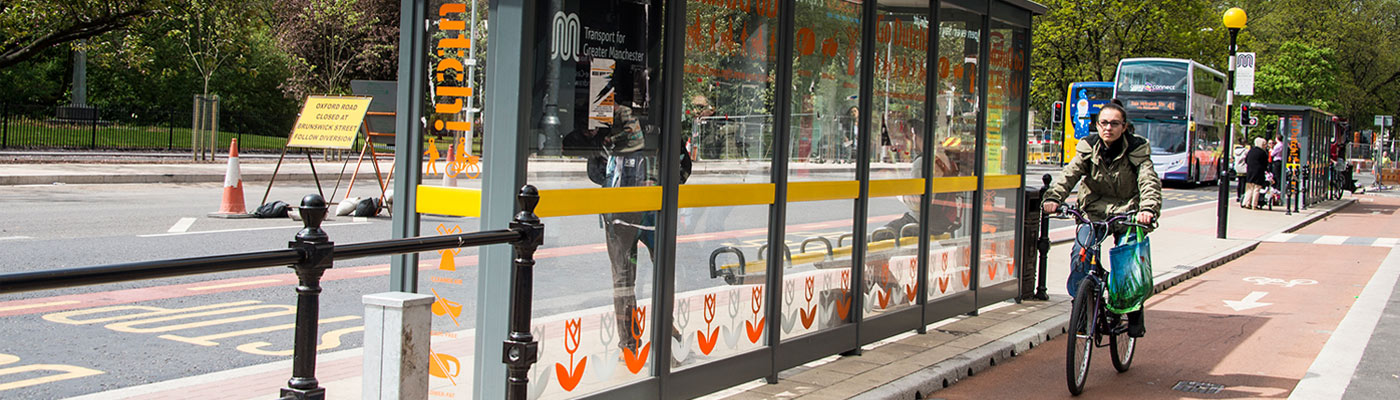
x,y
329,122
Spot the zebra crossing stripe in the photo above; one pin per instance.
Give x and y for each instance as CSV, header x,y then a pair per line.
x,y
1282,237
1385,242
1331,239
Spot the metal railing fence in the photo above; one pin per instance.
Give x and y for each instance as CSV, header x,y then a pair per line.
x,y
32,126
311,253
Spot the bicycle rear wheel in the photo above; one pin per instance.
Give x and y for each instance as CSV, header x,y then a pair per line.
x,y
1080,340
1121,347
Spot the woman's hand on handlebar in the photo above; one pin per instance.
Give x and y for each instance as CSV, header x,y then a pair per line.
x,y
1145,217
1050,206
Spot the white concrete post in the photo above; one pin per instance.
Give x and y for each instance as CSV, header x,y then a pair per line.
x,y
397,327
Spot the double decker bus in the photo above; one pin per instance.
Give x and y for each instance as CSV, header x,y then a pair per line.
x,y
1082,105
1178,105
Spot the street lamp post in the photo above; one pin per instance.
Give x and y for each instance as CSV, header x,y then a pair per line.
x,y
1234,20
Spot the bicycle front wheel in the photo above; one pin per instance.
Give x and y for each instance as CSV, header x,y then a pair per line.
x,y
1080,341
1122,347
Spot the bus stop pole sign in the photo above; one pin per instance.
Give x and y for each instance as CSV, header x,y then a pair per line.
x,y
1244,74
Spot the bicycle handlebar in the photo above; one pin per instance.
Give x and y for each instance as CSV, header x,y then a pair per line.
x,y
1065,211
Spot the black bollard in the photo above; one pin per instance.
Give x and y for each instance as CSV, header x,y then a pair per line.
x,y
316,251
1043,243
521,350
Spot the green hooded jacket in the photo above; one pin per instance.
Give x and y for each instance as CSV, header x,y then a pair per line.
x,y
1125,183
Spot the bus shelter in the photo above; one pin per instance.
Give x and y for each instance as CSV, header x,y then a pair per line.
x,y
731,188
1308,131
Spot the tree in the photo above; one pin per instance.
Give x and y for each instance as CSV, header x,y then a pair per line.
x,y
333,41
28,27
1298,73
1082,40
214,31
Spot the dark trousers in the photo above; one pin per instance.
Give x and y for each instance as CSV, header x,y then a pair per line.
x,y
623,231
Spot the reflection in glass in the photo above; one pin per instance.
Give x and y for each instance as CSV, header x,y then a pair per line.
x,y
826,65
720,305
1006,79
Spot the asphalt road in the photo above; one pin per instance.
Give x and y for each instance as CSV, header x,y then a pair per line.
x,y
131,333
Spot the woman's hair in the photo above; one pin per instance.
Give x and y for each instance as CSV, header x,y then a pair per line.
x,y
1117,105
1259,142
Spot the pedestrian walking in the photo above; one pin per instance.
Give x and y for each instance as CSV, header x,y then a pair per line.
x,y
1256,163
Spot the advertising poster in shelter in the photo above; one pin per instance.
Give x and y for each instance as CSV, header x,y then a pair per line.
x,y
593,66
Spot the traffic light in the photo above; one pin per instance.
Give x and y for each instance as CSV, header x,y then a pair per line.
x,y
1244,114
1057,114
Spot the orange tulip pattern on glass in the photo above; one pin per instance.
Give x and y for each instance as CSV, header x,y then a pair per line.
x,y
569,377
635,361
707,342
843,303
911,292
755,329
807,318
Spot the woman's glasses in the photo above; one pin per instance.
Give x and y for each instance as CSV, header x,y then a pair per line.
x,y
1111,124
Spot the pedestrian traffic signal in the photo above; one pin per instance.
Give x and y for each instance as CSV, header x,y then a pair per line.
x,y
1057,114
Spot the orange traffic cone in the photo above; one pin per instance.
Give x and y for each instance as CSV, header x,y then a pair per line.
x,y
449,175
232,206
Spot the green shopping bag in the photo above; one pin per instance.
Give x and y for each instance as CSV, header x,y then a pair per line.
x,y
1130,280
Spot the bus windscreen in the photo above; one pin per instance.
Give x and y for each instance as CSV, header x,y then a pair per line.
x,y
1152,76
1165,137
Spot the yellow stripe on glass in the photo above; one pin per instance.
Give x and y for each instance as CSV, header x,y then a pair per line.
x,y
955,184
994,182
466,202
896,187
720,195
822,190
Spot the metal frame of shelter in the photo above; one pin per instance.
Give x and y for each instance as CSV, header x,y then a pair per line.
x,y
1315,135
509,110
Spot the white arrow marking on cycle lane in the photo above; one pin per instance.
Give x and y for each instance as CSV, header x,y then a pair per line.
x,y
1250,301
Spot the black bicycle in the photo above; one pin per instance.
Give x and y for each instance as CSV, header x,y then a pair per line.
x,y
1090,321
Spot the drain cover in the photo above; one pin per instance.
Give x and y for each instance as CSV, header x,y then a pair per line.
x,y
1198,387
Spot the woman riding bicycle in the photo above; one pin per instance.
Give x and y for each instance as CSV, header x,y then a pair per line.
x,y
1116,167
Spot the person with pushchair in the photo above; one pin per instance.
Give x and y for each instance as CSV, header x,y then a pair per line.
x,y
1116,169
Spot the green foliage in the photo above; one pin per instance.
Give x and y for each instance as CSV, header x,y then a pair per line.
x,y
1298,73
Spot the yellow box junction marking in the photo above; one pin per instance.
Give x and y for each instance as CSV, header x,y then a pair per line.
x,y
38,305
145,319
329,122
67,372
235,284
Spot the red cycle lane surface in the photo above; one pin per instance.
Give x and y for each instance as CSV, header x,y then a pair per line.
x,y
1260,350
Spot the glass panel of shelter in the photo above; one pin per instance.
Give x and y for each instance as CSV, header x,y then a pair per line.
x,y
594,153
720,290
826,64
956,111
1005,120
896,136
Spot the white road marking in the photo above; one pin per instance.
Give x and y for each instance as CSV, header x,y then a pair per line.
x,y
245,229
1331,239
236,284
14,237
1282,237
182,226
373,270
1250,301
1331,371
38,305
1386,242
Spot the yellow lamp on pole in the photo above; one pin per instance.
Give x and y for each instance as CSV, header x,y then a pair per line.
x,y
1235,18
